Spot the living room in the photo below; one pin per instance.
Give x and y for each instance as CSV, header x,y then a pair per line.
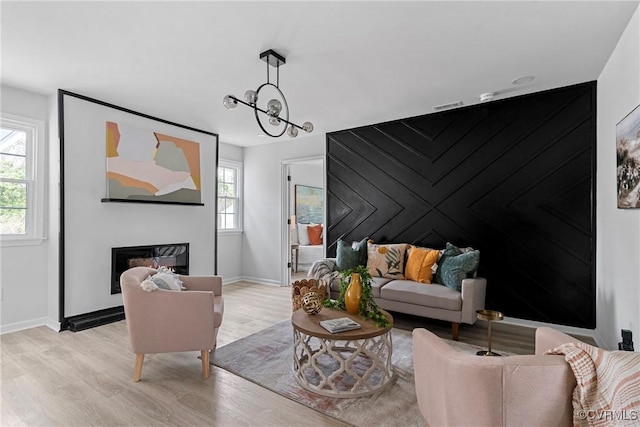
x,y
608,53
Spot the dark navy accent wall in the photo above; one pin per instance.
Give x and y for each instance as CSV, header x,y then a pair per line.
x,y
513,178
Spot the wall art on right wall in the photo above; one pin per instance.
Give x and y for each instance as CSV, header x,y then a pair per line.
x,y
628,160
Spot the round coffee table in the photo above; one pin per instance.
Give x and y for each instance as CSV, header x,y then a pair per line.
x,y
347,364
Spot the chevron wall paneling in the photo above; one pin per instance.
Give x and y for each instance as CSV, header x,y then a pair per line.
x,y
513,178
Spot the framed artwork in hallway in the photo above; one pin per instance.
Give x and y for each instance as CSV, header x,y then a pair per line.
x,y
309,205
628,160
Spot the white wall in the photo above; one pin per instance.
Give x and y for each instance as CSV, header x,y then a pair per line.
x,y
24,269
262,257
93,228
618,230
53,252
230,243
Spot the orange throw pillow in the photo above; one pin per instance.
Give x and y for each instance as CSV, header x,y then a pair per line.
x,y
420,263
315,234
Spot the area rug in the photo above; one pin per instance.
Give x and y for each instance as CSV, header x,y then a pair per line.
x,y
266,358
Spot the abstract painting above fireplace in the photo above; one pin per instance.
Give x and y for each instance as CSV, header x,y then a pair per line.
x,y
148,166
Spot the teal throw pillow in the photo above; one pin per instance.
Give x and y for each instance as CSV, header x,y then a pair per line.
x,y
450,251
452,269
348,257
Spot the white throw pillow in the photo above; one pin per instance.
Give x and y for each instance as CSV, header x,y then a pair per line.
x,y
148,285
303,236
167,279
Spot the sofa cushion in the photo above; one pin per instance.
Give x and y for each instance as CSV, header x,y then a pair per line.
x,y
420,263
376,284
434,295
456,264
386,260
350,256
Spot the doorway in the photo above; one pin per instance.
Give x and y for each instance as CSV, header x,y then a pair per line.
x,y
304,214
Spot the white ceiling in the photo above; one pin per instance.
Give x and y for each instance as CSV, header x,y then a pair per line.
x,y
348,63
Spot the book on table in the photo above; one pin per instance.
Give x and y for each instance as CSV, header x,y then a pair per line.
x,y
340,325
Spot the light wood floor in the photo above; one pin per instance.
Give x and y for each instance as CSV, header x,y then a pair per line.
x,y
84,378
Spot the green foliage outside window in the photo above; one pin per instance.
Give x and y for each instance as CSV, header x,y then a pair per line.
x,y
13,186
227,198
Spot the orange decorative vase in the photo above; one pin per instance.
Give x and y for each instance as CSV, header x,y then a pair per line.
x,y
353,294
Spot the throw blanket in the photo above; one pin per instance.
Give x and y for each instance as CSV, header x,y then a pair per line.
x,y
608,389
324,269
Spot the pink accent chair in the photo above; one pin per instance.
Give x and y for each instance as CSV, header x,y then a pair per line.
x,y
460,389
164,321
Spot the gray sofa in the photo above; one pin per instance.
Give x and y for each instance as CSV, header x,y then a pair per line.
x,y
434,301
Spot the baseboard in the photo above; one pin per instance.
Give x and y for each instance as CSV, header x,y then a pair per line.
x,y
562,328
228,281
20,326
53,324
93,319
258,280
602,343
261,281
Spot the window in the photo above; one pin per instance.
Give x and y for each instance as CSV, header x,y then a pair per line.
x,y
21,193
229,196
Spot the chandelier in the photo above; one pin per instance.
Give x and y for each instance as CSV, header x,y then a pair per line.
x,y
276,111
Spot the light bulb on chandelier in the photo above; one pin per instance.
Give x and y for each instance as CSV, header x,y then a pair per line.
x,y
274,121
276,110
230,102
251,97
274,107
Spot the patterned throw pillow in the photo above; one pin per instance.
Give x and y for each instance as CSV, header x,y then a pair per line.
x,y
420,264
456,264
167,279
386,260
351,256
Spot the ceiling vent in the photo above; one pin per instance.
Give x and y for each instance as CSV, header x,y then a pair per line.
x,y
447,106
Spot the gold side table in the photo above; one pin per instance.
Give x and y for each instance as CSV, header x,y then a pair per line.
x,y
489,316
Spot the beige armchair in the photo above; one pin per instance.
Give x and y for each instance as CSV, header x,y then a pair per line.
x,y
165,321
460,389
